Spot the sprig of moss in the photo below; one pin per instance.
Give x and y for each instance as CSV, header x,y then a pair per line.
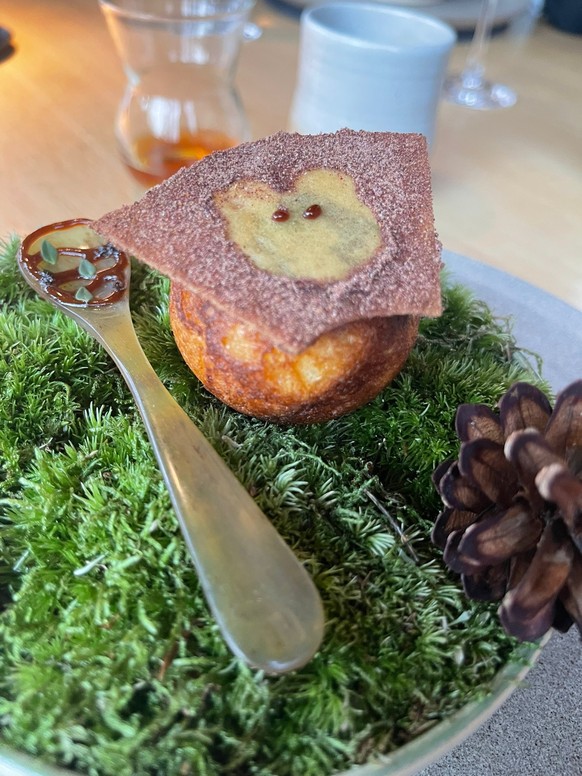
x,y
109,661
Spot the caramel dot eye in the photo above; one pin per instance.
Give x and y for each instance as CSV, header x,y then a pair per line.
x,y
313,211
281,214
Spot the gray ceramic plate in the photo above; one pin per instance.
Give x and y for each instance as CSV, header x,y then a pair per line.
x,y
541,322
553,329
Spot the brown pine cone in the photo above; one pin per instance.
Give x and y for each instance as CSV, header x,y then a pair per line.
x,y
512,523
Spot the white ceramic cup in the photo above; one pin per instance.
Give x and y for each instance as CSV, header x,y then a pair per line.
x,y
369,66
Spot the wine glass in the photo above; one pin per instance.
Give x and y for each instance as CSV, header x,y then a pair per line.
x,y
470,88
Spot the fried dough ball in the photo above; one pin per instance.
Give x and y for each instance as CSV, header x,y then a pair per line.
x,y
342,370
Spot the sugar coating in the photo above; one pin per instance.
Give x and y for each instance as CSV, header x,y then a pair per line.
x,y
177,228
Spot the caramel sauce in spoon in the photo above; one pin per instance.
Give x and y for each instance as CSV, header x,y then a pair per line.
x,y
63,279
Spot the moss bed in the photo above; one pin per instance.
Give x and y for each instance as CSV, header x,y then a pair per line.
x,y
109,662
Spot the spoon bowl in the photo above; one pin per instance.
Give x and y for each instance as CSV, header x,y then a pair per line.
x,y
264,602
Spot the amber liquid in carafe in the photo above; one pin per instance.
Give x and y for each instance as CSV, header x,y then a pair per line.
x,y
159,159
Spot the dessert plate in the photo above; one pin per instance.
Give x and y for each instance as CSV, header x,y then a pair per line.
x,y
538,709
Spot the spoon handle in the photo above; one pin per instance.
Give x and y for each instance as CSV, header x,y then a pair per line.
x,y
263,600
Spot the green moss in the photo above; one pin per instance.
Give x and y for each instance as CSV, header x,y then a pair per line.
x,y
109,662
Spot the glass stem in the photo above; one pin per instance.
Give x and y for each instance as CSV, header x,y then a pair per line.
x,y
474,67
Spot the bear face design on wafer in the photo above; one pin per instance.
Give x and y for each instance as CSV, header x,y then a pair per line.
x,y
288,257
321,213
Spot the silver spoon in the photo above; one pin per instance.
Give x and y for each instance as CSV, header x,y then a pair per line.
x,y
263,600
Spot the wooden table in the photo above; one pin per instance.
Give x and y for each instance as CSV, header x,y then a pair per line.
x,y
507,191
507,184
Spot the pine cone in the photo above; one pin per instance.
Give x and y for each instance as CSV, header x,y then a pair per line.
x,y
512,523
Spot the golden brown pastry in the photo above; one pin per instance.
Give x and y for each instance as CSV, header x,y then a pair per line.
x,y
300,266
341,370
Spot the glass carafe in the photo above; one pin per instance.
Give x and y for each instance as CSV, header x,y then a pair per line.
x,y
180,58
